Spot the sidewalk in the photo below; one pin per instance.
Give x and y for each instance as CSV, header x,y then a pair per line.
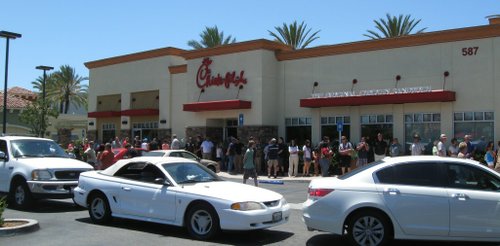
x,y
265,179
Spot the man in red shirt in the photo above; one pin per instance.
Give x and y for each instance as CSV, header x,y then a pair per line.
x,y
107,157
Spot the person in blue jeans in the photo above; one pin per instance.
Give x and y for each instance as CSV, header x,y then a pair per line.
x,y
325,159
230,153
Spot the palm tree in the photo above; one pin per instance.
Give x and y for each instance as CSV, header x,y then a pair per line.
x,y
211,37
296,36
68,89
394,26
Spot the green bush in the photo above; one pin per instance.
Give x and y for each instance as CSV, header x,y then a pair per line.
x,y
3,205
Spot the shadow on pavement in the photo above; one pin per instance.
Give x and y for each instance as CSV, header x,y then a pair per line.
x,y
256,237
330,239
51,206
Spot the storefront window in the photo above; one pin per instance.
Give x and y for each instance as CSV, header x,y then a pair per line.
x,y
371,125
329,127
477,124
298,128
426,125
108,132
144,130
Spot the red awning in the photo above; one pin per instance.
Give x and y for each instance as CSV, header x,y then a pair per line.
x,y
432,96
140,112
217,105
104,114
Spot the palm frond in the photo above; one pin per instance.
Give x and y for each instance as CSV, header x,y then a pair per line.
x,y
393,26
296,36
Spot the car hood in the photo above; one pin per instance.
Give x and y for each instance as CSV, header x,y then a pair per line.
x,y
55,163
232,191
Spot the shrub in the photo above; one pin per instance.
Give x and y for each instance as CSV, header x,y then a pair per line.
x,y
3,205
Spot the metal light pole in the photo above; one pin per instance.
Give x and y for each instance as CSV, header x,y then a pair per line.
x,y
7,36
45,69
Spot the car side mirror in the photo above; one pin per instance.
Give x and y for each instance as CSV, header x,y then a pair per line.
x,y
162,181
3,156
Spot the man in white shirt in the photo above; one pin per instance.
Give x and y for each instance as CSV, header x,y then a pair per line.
x,y
417,148
176,144
206,148
440,146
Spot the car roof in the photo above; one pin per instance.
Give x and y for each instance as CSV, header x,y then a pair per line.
x,y
412,158
150,159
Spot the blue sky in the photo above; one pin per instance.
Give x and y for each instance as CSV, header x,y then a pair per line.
x,y
63,32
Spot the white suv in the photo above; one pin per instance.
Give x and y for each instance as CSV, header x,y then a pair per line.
x,y
36,168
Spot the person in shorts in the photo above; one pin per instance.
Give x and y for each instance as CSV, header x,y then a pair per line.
x,y
345,152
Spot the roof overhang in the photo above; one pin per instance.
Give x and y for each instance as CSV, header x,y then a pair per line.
x,y
140,112
128,112
217,105
104,114
421,97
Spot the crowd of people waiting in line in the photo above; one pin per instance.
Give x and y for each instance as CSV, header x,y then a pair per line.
x,y
276,158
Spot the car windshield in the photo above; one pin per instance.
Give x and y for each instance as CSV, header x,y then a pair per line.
x,y
36,148
184,173
358,170
153,153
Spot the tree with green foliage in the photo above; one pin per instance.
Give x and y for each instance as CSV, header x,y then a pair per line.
x,y
36,116
64,87
211,37
296,36
394,26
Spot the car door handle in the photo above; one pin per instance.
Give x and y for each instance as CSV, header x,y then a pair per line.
x,y
460,196
126,188
10,168
392,191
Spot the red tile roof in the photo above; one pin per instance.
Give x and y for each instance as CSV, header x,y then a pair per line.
x,y
18,98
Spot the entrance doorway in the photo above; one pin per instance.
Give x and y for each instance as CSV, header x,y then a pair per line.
x,y
371,125
231,129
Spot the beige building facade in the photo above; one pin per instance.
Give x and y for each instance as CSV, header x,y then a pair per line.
x,y
426,84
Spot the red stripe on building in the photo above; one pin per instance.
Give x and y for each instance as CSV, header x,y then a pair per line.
x,y
433,96
217,105
140,112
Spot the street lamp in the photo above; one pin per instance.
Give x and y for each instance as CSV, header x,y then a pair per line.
x,y
7,36
45,69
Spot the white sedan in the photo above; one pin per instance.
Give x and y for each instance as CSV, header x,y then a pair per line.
x,y
180,192
420,198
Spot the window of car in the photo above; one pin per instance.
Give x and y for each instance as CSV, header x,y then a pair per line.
x,y
412,173
184,173
358,170
153,153
140,171
471,178
189,156
3,146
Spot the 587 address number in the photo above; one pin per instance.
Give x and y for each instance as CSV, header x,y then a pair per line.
x,y
470,51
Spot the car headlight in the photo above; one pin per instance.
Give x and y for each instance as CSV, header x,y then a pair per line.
x,y
41,175
247,206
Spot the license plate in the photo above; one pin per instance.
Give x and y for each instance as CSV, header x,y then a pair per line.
x,y
277,216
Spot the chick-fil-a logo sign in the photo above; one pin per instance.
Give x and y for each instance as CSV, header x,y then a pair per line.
x,y
205,79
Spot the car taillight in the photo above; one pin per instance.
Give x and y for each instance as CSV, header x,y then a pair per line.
x,y
319,192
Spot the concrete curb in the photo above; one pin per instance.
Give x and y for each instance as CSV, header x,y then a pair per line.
x,y
270,180
31,226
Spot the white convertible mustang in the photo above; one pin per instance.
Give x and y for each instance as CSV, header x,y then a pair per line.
x,y
179,192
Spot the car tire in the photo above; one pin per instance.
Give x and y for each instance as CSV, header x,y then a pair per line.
x,y
21,196
202,222
99,210
369,228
